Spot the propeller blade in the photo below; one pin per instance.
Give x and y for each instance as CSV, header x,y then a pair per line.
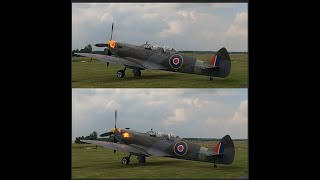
x,y
106,134
101,45
115,120
115,141
111,31
109,52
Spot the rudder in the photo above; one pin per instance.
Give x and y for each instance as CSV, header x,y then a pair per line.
x,y
222,60
225,147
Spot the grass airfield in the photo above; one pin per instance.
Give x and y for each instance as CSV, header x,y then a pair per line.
x,y
96,74
88,162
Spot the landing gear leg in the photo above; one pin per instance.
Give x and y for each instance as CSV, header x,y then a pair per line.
x,y
215,166
126,160
210,78
141,159
136,72
121,73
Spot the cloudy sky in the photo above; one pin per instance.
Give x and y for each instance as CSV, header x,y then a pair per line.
x,y
209,113
182,26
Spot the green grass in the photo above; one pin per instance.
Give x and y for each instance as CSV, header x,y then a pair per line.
x,y
97,75
88,162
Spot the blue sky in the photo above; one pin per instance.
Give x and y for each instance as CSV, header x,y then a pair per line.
x,y
182,26
209,113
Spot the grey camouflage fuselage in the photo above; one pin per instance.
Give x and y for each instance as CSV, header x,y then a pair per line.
x,y
169,147
164,60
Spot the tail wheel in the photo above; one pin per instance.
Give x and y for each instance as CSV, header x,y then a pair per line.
x,y
125,160
120,74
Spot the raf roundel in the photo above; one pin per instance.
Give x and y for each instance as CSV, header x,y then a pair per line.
x,y
176,61
180,148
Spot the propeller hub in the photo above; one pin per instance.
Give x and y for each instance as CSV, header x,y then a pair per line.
x,y
111,43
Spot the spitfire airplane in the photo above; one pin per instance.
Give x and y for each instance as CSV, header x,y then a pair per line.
x,y
147,56
151,143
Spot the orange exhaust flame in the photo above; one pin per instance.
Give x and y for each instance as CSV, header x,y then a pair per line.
x,y
126,135
111,43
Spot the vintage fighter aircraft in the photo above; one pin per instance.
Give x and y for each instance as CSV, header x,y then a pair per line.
x,y
147,56
151,143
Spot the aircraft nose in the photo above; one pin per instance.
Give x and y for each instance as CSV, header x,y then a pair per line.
x,y
111,44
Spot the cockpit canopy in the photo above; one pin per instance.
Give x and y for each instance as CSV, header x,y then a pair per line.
x,y
164,49
169,136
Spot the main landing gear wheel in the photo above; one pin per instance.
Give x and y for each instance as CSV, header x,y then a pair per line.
x,y
125,160
210,78
137,73
121,73
215,166
141,159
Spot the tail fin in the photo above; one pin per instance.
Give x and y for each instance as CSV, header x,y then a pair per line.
x,y
225,147
222,60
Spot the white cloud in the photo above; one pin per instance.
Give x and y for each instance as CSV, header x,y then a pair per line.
x,y
150,16
186,112
241,18
112,104
174,28
155,103
194,102
219,5
106,17
239,27
183,26
179,116
241,115
190,15
243,106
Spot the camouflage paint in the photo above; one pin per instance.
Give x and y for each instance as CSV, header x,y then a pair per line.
x,y
152,59
143,141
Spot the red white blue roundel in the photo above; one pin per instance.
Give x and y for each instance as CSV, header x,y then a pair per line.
x,y
180,148
176,61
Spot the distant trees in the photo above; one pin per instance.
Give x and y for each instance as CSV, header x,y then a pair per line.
x,y
77,141
87,49
92,136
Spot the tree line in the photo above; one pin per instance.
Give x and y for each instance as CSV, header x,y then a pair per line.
x,y
92,136
87,49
